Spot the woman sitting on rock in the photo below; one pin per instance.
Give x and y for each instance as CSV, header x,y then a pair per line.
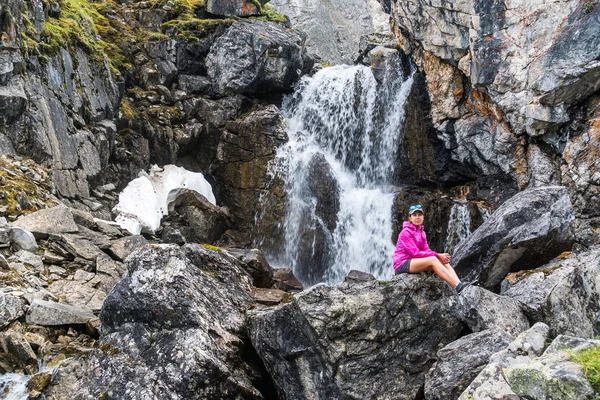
x,y
414,256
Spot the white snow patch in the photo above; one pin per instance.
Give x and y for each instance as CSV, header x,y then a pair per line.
x,y
146,199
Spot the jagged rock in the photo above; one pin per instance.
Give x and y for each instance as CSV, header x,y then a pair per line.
x,y
350,338
254,263
123,247
29,258
357,276
269,297
333,32
171,300
256,57
201,221
55,220
108,273
241,169
533,59
11,308
581,168
48,313
19,353
13,100
193,84
461,361
77,246
78,293
491,382
481,310
527,231
285,280
3,262
563,294
38,383
553,375
229,8
23,239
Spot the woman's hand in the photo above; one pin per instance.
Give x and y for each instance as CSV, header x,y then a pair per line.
x,y
444,258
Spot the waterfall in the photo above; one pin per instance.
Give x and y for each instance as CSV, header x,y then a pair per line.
x,y
343,129
459,223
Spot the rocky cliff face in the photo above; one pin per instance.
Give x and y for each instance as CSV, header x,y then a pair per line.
x,y
143,83
513,92
334,29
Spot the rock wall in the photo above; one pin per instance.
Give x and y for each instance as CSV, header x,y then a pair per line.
x,y
334,28
142,84
513,93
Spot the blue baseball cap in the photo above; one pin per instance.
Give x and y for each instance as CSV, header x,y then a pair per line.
x,y
415,208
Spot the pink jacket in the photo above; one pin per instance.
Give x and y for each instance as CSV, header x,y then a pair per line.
x,y
412,243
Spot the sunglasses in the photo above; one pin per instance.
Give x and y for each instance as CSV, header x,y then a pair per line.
x,y
417,207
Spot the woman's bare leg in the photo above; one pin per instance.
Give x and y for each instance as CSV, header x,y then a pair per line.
x,y
447,273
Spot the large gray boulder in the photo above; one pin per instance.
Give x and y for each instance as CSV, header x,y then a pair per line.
x,y
491,383
334,28
256,57
481,309
368,339
526,232
522,371
173,327
461,361
565,294
55,220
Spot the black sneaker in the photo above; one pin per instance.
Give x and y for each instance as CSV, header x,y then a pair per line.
x,y
461,286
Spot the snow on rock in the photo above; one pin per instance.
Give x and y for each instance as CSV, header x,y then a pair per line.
x,y
146,199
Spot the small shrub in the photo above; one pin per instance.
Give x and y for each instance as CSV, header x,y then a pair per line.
x,y
589,7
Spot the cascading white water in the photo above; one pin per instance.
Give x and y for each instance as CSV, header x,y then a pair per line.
x,y
459,223
343,128
14,387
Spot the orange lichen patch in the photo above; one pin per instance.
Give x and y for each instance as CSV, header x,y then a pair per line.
x,y
516,277
564,255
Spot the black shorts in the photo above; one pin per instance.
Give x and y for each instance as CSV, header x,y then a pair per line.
x,y
403,268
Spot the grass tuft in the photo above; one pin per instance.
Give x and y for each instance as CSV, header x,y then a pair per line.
x,y
589,359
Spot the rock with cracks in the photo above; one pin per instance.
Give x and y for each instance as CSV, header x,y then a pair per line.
x,y
526,232
367,339
173,327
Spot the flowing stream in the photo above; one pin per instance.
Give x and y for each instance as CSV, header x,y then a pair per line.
x,y
343,129
14,387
